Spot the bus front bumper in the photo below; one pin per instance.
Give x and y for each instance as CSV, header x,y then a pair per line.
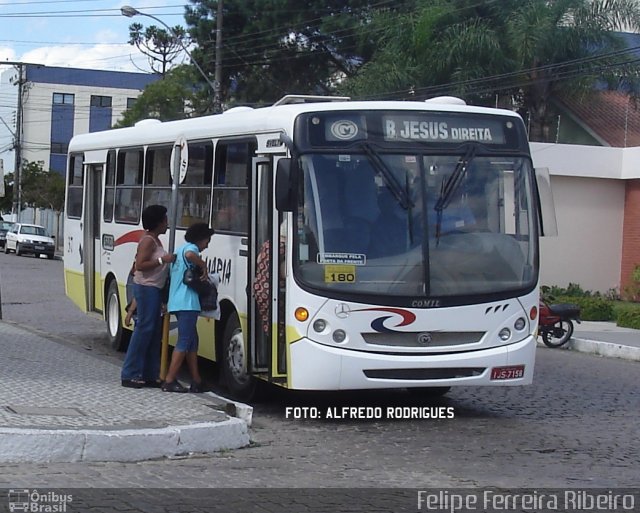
x,y
318,367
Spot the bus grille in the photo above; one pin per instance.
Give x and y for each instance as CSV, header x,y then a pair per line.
x,y
422,374
424,338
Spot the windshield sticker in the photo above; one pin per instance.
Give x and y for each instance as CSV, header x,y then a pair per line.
x,y
342,258
340,273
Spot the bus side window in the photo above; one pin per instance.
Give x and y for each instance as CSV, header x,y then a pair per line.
x,y
128,186
109,187
194,200
75,184
231,186
157,176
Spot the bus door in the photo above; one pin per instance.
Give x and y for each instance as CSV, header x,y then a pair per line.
x,y
92,238
263,301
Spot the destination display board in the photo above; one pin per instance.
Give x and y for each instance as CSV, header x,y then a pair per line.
x,y
411,127
346,128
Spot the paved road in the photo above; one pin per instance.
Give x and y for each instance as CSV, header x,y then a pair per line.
x,y
33,295
575,427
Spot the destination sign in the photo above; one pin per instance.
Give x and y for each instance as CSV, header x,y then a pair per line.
x,y
412,127
350,128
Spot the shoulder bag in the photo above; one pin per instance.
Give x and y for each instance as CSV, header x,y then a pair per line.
x,y
207,291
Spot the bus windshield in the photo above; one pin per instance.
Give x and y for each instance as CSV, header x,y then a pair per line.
x,y
415,225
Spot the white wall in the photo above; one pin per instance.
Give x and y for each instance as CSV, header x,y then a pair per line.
x,y
36,124
588,185
588,248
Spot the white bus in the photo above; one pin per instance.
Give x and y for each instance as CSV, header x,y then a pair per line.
x,y
406,238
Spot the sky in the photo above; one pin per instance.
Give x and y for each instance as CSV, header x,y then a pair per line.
x,y
79,33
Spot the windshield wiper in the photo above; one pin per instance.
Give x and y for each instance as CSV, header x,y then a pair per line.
x,y
451,186
389,178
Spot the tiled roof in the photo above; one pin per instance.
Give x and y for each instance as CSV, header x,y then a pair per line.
x,y
609,115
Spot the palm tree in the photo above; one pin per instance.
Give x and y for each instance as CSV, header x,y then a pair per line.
x,y
528,51
565,47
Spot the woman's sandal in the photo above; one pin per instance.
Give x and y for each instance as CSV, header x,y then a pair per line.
x,y
174,386
196,388
133,383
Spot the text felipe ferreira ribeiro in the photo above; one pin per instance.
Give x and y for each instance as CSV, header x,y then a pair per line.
x,y
370,412
564,501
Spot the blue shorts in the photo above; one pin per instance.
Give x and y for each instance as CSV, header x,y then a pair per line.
x,y
187,332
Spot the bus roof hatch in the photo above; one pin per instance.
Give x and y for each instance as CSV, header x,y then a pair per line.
x,y
303,98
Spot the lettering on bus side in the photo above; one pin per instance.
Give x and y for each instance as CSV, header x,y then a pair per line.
x,y
425,303
220,266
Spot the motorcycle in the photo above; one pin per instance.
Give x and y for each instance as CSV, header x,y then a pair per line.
x,y
556,322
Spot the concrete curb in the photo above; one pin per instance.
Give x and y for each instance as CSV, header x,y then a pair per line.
x,y
600,348
607,349
233,408
66,445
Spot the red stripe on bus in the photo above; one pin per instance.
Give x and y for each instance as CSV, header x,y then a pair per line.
x,y
133,236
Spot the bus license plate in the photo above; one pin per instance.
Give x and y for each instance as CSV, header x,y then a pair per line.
x,y
40,247
510,372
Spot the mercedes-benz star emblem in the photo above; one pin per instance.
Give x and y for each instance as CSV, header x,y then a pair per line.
x,y
342,311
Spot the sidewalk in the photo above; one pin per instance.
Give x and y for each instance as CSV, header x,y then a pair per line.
x,y
605,339
62,405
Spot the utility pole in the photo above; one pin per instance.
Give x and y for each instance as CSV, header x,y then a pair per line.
x,y
17,147
217,102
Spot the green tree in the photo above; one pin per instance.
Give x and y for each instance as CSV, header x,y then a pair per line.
x,y
160,46
278,47
527,51
40,188
542,37
172,97
6,202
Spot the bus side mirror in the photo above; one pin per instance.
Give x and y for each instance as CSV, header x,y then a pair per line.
x,y
284,186
546,206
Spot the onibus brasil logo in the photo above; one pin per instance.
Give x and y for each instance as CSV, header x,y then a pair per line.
x,y
36,502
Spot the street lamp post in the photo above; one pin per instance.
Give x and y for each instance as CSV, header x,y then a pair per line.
x,y
130,12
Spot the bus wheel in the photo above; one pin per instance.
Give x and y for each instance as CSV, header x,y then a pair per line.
x,y
118,336
236,377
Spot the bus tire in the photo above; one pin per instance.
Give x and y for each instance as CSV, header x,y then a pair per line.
x,y
240,384
118,336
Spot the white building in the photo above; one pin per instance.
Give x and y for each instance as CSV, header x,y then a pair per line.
x,y
58,103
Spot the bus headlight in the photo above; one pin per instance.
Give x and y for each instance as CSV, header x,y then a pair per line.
x,y
519,324
339,336
320,325
505,334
